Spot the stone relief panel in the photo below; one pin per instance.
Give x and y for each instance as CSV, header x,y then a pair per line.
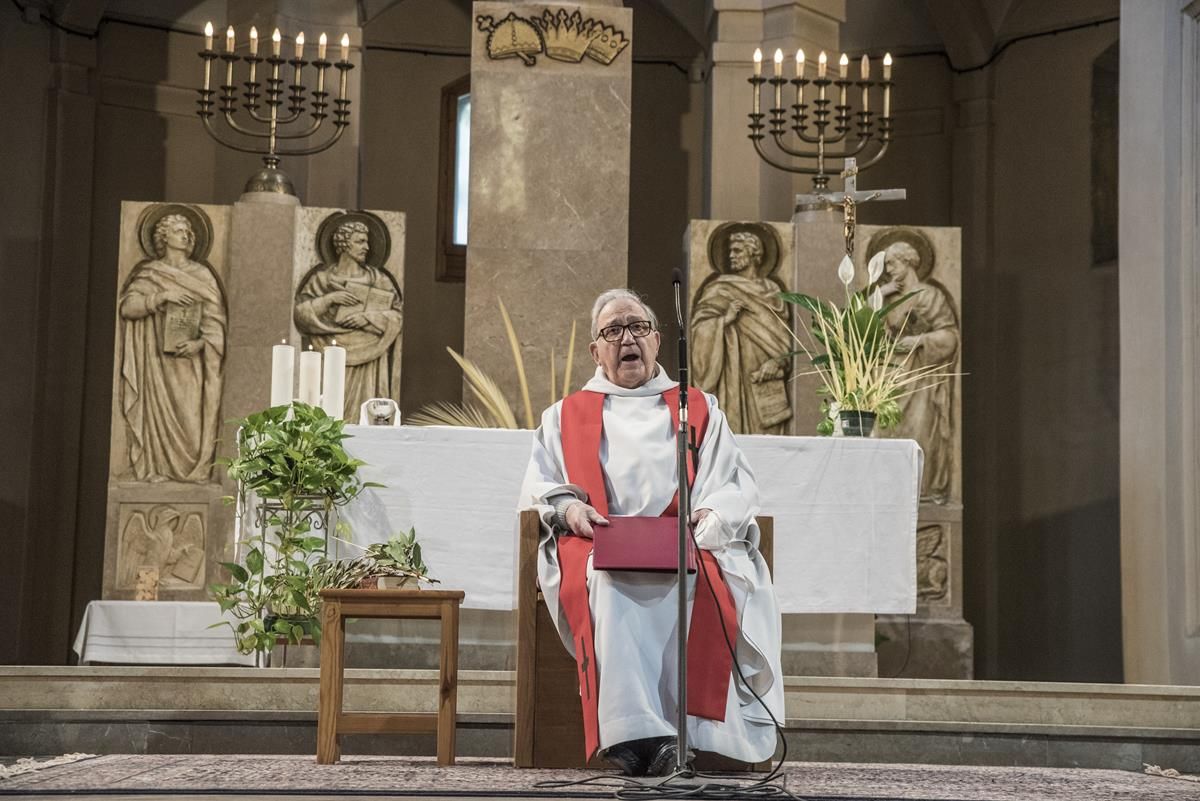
x,y
933,567
928,328
350,295
166,539
170,348
739,325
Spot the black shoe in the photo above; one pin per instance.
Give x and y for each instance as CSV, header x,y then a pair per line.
x,y
626,758
663,761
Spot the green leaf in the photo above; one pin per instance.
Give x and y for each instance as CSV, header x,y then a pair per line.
x,y
237,571
254,561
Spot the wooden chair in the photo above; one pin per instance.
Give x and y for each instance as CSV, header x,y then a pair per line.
x,y
549,723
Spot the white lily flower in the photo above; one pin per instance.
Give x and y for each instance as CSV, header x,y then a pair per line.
x,y
875,268
846,270
877,299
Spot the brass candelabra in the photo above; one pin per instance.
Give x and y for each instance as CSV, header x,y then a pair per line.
x,y
817,122
265,129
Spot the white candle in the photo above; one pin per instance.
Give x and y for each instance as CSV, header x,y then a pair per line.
x,y
300,46
333,382
843,66
310,377
800,63
229,40
822,60
322,41
208,35
253,41
345,47
283,366
864,68
887,66
276,42
757,62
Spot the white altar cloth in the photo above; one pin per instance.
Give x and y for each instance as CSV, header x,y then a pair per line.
x,y
156,633
845,511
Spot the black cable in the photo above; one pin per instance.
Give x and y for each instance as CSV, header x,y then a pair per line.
x,y
630,789
995,54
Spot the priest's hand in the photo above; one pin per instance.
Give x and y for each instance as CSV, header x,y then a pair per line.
x,y
581,518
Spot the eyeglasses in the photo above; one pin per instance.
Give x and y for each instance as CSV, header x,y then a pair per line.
x,y
615,333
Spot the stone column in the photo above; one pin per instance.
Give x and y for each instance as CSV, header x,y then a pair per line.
x,y
1160,344
549,197
56,551
740,185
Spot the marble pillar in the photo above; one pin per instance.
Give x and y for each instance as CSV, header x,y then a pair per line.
x,y
740,184
204,292
549,188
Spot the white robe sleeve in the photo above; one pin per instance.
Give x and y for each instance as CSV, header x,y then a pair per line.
x,y
546,475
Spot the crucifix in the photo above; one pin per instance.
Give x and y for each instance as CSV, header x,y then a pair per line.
x,y
849,199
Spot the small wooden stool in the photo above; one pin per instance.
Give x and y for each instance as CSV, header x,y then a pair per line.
x,y
398,605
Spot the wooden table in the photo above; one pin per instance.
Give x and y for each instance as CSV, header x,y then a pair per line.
x,y
332,722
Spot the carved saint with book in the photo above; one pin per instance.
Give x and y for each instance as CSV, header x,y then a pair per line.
x,y
351,299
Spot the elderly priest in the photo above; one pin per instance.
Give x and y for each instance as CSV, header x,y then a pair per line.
x,y
609,449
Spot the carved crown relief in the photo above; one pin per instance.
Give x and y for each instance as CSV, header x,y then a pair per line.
x,y
560,35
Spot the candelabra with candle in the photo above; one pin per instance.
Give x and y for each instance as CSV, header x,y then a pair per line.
x,y
816,126
261,132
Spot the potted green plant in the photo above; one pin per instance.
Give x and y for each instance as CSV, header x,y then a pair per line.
x,y
291,466
392,564
864,373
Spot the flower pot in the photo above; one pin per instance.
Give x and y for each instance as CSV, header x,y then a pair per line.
x,y
855,423
397,583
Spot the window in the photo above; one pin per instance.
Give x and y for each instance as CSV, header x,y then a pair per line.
x,y
453,174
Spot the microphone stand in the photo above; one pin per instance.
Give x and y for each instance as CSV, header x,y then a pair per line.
x,y
685,508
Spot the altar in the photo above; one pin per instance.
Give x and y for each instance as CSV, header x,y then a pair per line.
x,y
845,511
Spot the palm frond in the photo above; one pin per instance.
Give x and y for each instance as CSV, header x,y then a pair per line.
x,y
570,362
519,360
443,413
487,391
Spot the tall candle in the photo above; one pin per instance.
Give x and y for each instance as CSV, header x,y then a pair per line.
x,y
300,46
253,41
310,377
887,66
822,59
778,72
283,366
322,42
229,40
345,47
333,382
800,75
208,35
757,62
276,42
843,66
864,68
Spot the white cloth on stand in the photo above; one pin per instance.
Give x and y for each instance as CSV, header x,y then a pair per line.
x,y
634,615
156,633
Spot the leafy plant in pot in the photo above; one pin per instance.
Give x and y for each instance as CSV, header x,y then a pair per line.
x,y
291,459
864,372
384,565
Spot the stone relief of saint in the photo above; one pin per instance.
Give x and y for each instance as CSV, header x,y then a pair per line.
x,y
166,539
740,330
926,328
172,340
351,300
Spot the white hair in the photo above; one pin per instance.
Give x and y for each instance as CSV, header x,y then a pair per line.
x,y
608,296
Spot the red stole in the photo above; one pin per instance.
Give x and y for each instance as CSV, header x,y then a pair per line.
x,y
709,660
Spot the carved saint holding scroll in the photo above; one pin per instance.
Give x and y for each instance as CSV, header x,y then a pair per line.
x,y
358,306
926,328
172,347
740,338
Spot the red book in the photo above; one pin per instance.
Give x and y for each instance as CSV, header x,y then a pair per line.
x,y
649,544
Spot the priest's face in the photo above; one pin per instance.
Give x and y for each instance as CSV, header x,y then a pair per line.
x,y
629,361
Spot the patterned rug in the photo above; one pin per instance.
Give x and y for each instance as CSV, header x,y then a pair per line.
x,y
408,776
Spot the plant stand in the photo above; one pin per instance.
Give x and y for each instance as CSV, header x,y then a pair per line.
x,y
332,722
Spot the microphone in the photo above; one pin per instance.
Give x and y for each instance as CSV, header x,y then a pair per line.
x,y
678,282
